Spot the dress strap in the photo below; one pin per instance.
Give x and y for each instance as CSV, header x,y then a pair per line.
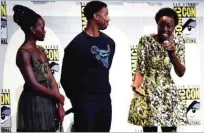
x,y
29,51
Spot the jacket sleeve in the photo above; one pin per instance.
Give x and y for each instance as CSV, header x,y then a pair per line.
x,y
70,68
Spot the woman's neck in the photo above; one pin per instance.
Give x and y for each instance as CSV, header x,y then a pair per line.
x,y
30,40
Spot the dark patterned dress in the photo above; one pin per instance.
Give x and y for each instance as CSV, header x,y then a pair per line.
x,y
162,106
36,112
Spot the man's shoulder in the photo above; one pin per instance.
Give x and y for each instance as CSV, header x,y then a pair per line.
x,y
79,37
107,37
76,41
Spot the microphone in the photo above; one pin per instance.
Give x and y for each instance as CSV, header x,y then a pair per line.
x,y
165,42
169,51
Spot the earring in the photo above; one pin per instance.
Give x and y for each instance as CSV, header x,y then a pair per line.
x,y
32,30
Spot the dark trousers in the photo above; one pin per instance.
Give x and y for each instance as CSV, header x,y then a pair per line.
x,y
92,113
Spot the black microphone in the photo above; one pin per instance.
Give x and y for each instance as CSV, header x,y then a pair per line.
x,y
169,51
69,111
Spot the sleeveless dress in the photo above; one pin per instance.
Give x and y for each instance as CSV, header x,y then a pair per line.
x,y
36,112
162,106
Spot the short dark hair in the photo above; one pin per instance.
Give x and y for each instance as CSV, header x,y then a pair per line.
x,y
25,17
167,12
93,7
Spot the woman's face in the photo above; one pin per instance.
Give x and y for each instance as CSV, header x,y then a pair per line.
x,y
40,30
165,27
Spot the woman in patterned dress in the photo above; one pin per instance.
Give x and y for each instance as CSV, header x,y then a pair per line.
x,y
156,101
40,107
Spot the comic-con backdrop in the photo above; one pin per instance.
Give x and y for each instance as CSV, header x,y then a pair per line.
x,y
129,21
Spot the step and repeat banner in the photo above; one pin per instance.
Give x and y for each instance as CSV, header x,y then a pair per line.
x,y
129,21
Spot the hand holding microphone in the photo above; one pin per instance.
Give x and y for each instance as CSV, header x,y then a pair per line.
x,y
169,46
171,49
